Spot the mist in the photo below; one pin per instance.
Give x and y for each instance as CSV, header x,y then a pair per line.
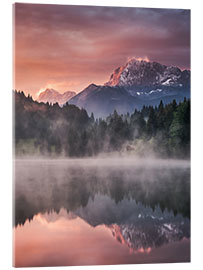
x,y
43,184
52,131
104,160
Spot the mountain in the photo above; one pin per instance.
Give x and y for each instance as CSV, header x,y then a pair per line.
x,y
103,100
133,224
133,85
52,96
143,73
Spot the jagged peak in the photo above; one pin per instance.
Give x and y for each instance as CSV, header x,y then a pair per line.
x,y
52,96
50,90
141,71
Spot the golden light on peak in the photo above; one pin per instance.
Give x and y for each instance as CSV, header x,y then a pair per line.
x,y
143,59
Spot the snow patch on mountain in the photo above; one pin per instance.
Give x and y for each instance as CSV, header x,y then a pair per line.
x,y
139,72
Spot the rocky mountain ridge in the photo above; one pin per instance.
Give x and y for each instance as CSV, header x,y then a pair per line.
x,y
133,85
137,83
52,96
145,73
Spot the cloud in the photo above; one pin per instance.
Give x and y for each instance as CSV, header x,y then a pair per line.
x,y
85,44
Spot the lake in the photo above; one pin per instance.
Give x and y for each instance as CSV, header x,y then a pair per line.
x,y
101,211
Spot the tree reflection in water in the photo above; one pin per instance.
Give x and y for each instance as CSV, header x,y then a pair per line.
x,y
144,207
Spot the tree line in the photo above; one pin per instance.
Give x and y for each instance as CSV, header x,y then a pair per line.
x,y
68,131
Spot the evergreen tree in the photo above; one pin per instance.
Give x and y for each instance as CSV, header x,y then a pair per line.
x,y
151,123
52,129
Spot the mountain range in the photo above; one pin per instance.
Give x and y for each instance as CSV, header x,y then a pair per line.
x,y
133,224
130,86
52,96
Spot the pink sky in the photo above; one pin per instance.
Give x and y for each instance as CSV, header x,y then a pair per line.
x,y
61,239
69,47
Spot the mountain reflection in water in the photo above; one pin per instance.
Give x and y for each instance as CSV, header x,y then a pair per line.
x,y
86,206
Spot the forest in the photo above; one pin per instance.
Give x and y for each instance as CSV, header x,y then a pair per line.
x,y
54,131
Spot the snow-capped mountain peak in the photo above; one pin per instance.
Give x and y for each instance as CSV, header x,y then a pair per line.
x,y
139,82
144,73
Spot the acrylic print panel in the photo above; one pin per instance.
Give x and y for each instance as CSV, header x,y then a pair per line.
x,y
102,135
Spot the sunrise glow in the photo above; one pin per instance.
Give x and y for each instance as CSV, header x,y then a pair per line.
x,y
143,59
70,52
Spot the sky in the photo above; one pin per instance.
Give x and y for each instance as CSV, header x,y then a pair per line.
x,y
69,47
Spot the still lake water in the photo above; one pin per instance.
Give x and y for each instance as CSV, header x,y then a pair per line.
x,y
101,211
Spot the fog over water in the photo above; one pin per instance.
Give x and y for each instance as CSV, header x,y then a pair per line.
x,y
144,203
109,161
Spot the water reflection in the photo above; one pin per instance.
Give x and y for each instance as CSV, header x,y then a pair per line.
x,y
139,227
137,210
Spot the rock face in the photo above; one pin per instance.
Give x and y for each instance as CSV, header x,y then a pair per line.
x,y
52,96
133,85
142,73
